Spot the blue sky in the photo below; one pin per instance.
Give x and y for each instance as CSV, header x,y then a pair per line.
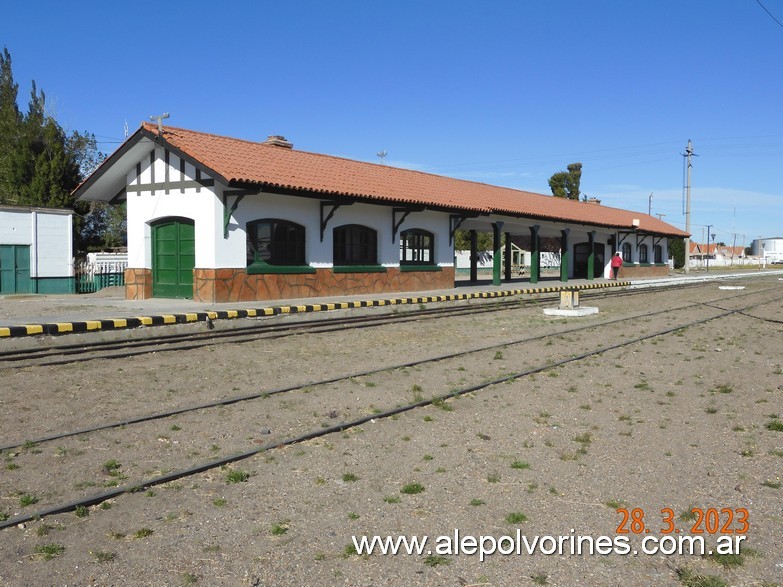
x,y
502,92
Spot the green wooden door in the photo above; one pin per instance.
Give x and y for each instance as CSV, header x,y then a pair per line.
x,y
14,269
173,258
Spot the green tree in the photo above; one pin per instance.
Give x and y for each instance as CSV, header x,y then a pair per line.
x,y
565,184
677,251
11,119
100,226
462,241
40,164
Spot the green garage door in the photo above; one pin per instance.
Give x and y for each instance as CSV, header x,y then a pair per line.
x,y
173,258
14,269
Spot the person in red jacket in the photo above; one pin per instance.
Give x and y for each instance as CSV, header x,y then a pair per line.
x,y
617,262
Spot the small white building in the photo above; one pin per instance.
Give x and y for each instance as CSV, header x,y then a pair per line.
x,y
36,250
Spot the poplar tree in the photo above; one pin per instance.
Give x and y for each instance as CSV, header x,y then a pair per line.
x,y
40,164
11,152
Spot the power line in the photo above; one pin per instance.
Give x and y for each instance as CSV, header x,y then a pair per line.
x,y
769,13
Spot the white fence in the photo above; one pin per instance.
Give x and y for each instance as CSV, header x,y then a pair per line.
x,y
549,260
100,270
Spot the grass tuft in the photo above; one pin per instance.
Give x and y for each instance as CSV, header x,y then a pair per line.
x,y
434,560
412,489
690,578
775,425
516,518
27,499
102,557
49,551
237,476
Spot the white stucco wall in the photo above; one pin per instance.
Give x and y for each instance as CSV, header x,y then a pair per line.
x,y
49,235
307,212
54,248
145,207
15,227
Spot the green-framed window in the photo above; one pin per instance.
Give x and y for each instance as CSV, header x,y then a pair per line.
x,y
658,252
355,244
643,256
626,253
417,247
272,241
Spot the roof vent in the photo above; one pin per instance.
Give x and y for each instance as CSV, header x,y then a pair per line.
x,y
593,201
278,141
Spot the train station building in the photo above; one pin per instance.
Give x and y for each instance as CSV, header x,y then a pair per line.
x,y
219,219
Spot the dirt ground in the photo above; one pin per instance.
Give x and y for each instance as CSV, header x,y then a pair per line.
x,y
689,419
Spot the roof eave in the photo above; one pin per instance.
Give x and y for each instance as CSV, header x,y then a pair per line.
x,y
357,196
105,174
109,179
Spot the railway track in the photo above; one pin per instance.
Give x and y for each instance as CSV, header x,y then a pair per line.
x,y
67,353
597,335
372,321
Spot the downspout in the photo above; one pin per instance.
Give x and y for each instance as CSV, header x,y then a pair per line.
x,y
34,252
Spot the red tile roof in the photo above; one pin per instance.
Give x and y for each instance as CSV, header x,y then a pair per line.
x,y
714,248
245,162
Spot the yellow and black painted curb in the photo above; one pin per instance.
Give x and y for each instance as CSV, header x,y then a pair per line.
x,y
56,328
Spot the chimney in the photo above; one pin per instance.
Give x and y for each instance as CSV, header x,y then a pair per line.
x,y
278,141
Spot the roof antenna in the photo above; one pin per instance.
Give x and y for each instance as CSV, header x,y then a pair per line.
x,y
160,121
382,156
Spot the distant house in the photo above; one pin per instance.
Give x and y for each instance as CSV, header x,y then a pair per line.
x,y
36,250
717,255
220,219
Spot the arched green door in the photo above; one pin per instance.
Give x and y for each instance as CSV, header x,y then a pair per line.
x,y
173,258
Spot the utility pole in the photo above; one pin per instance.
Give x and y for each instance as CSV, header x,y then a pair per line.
x,y
745,257
734,230
688,155
649,205
708,247
733,247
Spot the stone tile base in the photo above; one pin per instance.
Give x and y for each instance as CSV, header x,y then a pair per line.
x,y
631,271
138,284
234,285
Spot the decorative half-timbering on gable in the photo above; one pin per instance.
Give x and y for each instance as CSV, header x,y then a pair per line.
x,y
166,172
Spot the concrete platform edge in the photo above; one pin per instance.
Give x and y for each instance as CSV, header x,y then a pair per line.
x,y
113,324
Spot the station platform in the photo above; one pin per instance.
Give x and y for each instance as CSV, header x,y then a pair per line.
x,y
108,310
